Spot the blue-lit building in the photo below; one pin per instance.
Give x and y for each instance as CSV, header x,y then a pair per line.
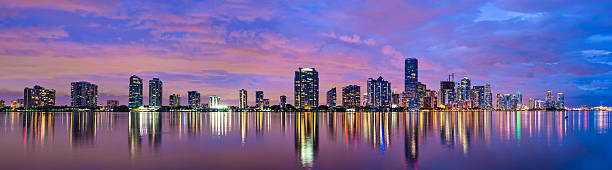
x,y
193,99
283,101
331,97
379,92
155,92
135,93
259,97
306,88
464,89
411,80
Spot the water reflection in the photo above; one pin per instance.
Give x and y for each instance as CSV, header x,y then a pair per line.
x,y
147,125
387,135
38,130
306,137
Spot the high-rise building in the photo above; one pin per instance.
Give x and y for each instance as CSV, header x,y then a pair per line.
x,y
193,98
488,97
83,94
519,97
478,97
411,75
421,89
331,97
464,89
351,96
306,88
283,101
215,102
135,93
175,100
445,88
38,97
243,99
560,101
549,100
259,96
379,92
155,93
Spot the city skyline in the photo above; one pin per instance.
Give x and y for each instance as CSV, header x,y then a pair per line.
x,y
512,46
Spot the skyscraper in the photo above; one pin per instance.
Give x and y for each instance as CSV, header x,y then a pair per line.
x,y
331,97
478,97
488,97
379,92
175,100
519,97
83,94
445,88
411,75
464,89
560,101
549,101
215,102
243,99
351,96
259,96
193,98
135,93
283,101
38,97
155,93
306,88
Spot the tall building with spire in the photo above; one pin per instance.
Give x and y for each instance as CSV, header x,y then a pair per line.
x,y
155,92
135,92
306,88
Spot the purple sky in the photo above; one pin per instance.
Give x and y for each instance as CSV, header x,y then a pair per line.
x,y
219,47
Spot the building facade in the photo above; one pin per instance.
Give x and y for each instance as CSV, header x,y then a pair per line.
x,y
215,102
411,79
331,97
135,92
175,100
83,94
193,99
38,97
259,96
155,92
351,96
242,103
379,92
283,101
306,88
445,88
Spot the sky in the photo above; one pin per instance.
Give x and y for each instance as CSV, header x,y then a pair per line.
x,y
219,47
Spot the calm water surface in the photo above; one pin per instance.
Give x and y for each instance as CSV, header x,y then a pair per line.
x,y
425,140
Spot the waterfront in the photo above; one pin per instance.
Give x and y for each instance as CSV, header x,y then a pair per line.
x,y
265,140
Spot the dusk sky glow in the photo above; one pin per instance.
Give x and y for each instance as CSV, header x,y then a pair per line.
x,y
220,47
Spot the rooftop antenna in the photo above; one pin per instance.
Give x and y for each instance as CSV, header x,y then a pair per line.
x,y
451,77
